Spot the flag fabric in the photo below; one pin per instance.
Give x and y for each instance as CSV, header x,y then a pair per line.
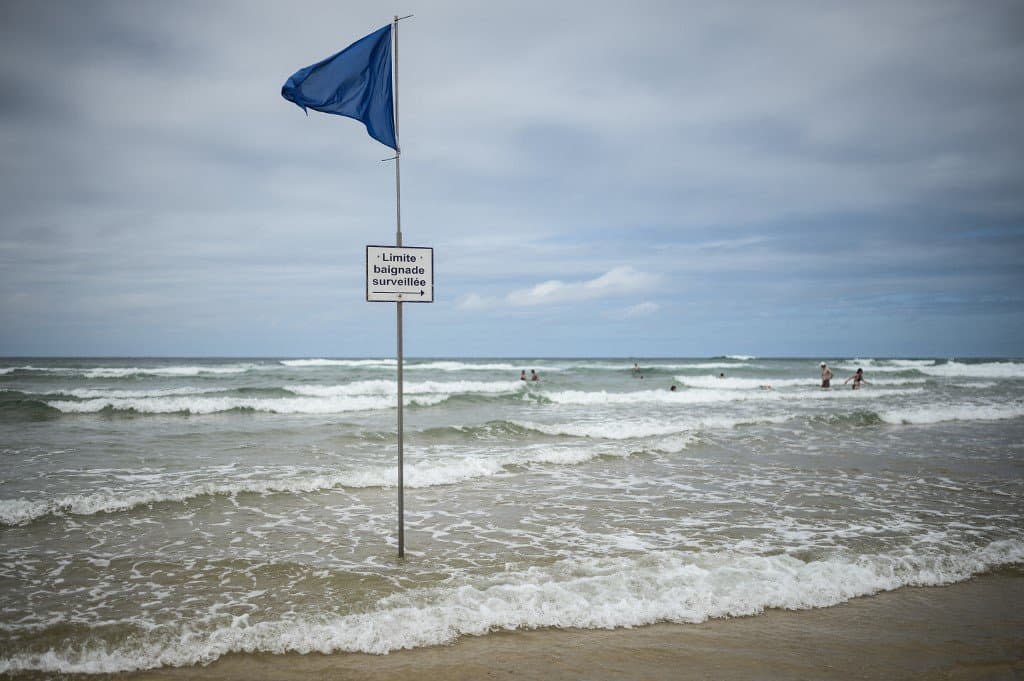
x,y
355,82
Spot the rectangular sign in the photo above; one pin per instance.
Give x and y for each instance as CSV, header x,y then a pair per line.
x,y
399,274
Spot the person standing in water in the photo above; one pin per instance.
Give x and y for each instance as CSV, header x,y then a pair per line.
x,y
522,375
826,376
533,375
857,379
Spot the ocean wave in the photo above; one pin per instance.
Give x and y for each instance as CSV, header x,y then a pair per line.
x,y
856,418
172,489
512,369
663,396
979,370
582,593
656,365
741,357
358,388
100,394
19,511
370,363
957,412
732,383
27,410
638,429
950,369
421,365
976,385
121,372
213,405
891,366
706,365
383,387
905,363
707,396
125,372
870,370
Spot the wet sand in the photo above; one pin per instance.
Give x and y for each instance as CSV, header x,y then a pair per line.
x,y
972,630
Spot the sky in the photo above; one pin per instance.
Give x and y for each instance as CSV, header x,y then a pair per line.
x,y
641,179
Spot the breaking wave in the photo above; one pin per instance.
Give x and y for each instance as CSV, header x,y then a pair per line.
x,y
957,412
638,429
125,372
172,489
213,405
583,593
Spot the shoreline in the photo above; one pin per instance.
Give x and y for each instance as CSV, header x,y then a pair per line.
x,y
969,630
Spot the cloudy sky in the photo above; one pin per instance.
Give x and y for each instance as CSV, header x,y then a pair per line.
x,y
596,178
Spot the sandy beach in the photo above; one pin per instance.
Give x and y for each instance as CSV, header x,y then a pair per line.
x,y
971,630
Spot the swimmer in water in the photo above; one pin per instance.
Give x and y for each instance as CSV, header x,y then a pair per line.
x,y
857,379
826,376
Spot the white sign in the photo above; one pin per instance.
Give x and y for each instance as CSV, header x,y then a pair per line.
x,y
399,274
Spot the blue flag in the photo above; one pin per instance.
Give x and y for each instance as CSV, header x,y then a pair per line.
x,y
356,83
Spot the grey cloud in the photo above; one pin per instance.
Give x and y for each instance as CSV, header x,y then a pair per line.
x,y
761,155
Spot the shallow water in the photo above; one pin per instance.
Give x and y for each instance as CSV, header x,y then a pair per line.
x,y
170,511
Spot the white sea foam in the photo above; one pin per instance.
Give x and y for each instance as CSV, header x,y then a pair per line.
x,y
419,365
608,430
212,405
17,511
432,472
122,372
29,367
366,363
906,363
649,365
979,370
458,387
884,365
383,387
708,396
586,593
512,369
732,383
953,412
359,388
952,369
644,428
741,357
706,365
97,393
649,396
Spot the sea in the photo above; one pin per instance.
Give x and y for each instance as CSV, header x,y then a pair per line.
x,y
167,512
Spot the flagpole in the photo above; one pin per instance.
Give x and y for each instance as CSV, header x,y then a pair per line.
x,y
398,243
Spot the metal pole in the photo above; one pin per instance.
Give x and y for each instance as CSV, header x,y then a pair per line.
x,y
398,242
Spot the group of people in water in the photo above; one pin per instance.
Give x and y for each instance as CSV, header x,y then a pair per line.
x,y
857,378
826,377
